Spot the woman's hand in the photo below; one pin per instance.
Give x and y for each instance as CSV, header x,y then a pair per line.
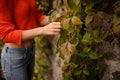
x,y
53,28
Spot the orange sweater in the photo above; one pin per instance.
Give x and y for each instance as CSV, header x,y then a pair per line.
x,y
17,16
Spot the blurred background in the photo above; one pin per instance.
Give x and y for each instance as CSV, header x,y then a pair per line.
x,y
89,45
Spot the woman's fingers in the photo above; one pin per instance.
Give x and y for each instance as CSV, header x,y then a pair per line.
x,y
56,30
52,28
56,25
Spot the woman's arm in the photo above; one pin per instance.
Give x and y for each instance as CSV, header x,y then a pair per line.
x,y
45,21
9,34
53,28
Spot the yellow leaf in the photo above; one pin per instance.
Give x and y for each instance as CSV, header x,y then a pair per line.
x,y
66,23
67,49
116,29
71,48
63,48
76,20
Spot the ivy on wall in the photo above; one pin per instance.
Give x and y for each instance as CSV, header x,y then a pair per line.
x,y
88,24
42,59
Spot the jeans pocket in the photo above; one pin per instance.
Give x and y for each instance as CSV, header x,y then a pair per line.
x,y
17,58
3,62
6,66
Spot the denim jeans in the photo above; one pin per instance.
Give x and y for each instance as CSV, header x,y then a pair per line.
x,y
17,63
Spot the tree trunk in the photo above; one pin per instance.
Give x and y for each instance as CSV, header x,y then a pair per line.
x,y
56,60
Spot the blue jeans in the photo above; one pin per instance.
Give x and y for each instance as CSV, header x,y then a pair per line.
x,y
17,63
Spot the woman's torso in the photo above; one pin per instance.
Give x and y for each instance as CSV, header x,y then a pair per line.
x,y
24,18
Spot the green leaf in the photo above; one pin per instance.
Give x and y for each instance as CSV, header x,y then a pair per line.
x,y
86,72
93,55
71,5
61,55
87,39
89,6
78,71
116,20
53,15
96,35
92,70
73,65
77,2
86,49
82,54
89,17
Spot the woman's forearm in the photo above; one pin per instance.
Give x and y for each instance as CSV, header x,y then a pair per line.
x,y
30,34
53,28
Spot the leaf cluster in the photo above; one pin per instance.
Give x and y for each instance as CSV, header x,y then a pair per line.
x,y
84,28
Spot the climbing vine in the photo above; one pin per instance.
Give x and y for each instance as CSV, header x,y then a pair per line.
x,y
42,59
87,25
43,68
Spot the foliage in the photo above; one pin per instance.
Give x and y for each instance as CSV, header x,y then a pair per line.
x,y
45,6
42,61
88,24
41,66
